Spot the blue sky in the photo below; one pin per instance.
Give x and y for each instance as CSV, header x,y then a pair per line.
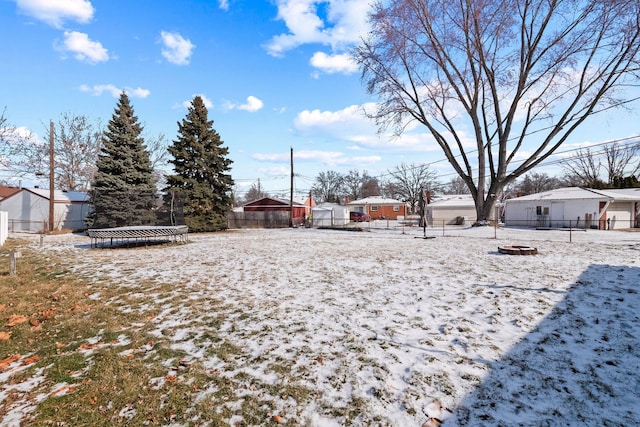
x,y
274,74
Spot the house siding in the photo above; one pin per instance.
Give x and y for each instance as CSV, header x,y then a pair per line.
x,y
552,213
379,208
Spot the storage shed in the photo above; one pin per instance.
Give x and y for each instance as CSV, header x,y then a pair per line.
x,y
330,215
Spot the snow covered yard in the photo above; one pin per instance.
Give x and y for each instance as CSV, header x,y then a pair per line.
x,y
385,328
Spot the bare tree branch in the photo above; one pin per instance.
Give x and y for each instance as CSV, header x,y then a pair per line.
x,y
504,69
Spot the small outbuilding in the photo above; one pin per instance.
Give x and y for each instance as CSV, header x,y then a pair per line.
x,y
28,210
330,215
576,207
452,209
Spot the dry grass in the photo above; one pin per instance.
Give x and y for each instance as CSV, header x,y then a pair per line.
x,y
71,358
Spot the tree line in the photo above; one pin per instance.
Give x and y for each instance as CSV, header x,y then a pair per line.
x,y
613,165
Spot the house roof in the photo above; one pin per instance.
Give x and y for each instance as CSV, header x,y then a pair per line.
x,y
375,200
579,193
8,191
629,194
453,201
61,196
273,201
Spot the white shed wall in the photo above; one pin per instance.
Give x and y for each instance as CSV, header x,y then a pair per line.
x,y
330,217
435,215
555,213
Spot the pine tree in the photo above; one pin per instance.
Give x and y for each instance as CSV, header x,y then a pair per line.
x,y
201,171
123,192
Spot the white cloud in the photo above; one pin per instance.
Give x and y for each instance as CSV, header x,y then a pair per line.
x,y
346,22
343,124
339,63
223,4
114,91
55,12
326,158
83,48
206,101
351,125
177,49
252,105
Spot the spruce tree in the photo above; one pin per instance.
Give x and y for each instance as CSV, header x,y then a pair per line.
x,y
201,171
123,191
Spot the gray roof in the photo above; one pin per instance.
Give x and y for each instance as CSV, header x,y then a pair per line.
x,y
579,193
61,196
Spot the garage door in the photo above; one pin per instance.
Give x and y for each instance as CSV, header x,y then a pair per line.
x,y
620,214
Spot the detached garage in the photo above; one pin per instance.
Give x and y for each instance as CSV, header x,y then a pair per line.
x,y
575,207
457,209
28,210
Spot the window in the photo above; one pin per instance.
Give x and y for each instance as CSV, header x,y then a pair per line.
x,y
374,208
542,210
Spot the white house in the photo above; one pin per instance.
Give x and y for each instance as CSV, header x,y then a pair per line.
x,y
329,215
28,209
575,207
455,209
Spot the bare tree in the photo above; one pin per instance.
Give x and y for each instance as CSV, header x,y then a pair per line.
x,y
370,186
537,182
408,180
582,169
13,143
622,160
6,133
601,167
357,186
352,183
157,146
505,70
456,185
329,187
76,145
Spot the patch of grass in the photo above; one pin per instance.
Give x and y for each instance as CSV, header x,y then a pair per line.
x,y
100,364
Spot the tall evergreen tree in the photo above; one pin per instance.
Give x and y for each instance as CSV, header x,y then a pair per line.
x,y
123,190
201,171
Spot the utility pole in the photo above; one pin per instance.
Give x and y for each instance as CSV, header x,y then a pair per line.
x,y
291,196
51,178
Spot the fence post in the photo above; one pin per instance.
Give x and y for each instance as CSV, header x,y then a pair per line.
x,y
570,230
12,263
443,228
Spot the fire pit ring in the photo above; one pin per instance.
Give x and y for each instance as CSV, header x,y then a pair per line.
x,y
517,250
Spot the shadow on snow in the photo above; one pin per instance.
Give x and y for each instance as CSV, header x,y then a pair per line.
x,y
581,365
